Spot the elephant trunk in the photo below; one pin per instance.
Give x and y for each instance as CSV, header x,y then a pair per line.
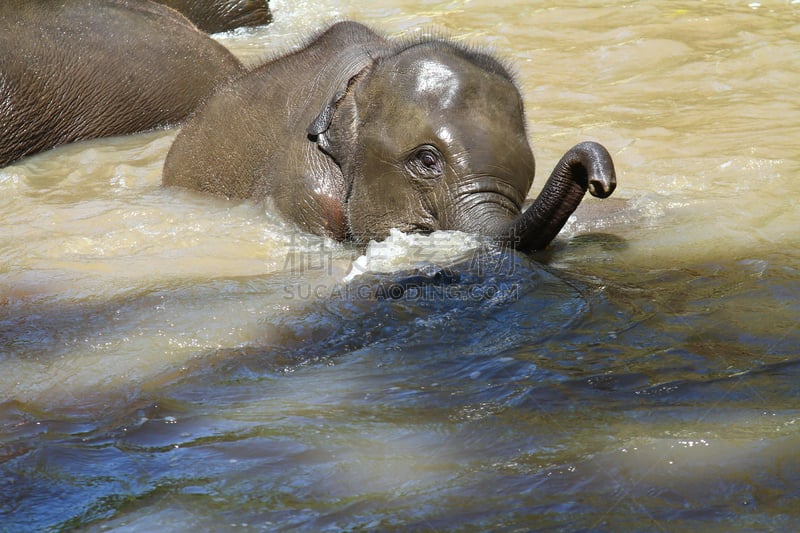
x,y
587,166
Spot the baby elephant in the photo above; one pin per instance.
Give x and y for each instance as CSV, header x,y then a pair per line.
x,y
96,68
356,134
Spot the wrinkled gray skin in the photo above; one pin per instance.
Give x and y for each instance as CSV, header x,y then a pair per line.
x,y
80,70
214,16
356,134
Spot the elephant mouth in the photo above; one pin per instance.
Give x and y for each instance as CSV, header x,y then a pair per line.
x,y
486,212
492,189
416,227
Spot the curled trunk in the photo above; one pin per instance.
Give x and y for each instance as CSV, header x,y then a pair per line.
x,y
587,166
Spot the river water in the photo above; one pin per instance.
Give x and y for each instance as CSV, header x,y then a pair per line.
x,y
170,361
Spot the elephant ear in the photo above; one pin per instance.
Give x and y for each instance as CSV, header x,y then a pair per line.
x,y
318,131
334,127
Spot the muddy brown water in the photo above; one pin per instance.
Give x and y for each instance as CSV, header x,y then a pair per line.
x,y
170,361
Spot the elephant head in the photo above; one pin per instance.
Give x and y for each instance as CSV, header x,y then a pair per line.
x,y
431,135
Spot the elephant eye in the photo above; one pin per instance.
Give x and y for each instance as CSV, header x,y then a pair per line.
x,y
427,158
427,162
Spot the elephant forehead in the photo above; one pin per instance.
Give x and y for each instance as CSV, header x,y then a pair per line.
x,y
438,80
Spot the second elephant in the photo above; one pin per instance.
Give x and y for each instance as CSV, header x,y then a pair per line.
x,y
81,70
356,134
221,15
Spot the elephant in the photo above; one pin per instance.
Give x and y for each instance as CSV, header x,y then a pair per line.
x,y
81,70
214,16
355,134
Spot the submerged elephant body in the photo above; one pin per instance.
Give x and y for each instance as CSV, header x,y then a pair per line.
x,y
95,68
356,134
222,15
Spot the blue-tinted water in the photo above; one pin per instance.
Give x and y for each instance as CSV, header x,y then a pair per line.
x,y
565,400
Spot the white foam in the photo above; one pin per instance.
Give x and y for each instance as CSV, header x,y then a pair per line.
x,y
401,251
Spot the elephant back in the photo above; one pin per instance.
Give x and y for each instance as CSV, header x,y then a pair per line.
x,y
96,68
